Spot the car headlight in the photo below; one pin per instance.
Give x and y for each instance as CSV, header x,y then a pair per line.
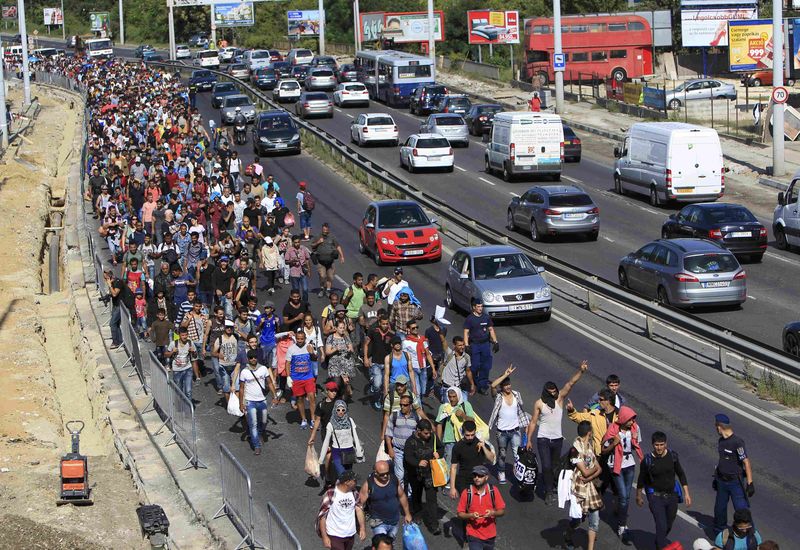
x,y
543,293
295,137
488,296
262,139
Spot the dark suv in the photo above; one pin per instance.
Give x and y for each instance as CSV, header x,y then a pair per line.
x,y
423,100
275,132
479,118
458,104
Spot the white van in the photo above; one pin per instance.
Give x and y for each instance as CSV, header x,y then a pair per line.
x,y
13,51
256,59
525,142
207,58
670,161
300,56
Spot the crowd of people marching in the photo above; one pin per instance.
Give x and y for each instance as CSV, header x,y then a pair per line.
x,y
195,234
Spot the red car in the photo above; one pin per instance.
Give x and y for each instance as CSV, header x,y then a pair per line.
x,y
395,231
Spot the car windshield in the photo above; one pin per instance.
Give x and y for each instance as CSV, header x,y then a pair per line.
x,y
449,121
265,72
710,263
317,97
402,215
259,55
380,121
303,53
356,88
460,102
237,101
578,199
238,67
208,54
431,143
730,214
322,72
490,110
435,90
347,68
276,123
203,74
569,133
503,266
224,86
290,85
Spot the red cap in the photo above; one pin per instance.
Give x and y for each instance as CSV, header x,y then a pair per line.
x,y
331,386
302,185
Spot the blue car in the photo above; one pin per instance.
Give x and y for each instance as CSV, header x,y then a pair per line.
x,y
204,80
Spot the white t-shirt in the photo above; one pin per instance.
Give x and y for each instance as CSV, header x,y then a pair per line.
x,y
252,391
627,451
507,418
411,348
341,520
181,360
299,198
393,290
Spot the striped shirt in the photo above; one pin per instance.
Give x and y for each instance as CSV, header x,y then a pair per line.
x,y
400,428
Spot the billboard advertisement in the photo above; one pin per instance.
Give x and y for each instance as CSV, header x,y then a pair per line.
x,y
750,47
239,14
709,27
794,44
303,23
100,21
53,16
493,27
9,12
402,27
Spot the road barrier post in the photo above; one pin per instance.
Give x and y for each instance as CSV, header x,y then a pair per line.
x,y
723,360
591,300
649,327
237,498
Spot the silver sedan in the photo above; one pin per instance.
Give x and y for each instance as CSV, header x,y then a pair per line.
x,y
314,104
451,126
700,88
228,111
547,210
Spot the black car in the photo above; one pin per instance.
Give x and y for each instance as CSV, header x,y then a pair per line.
x,y
198,40
479,118
203,79
220,91
572,145
275,132
300,72
348,73
458,104
791,338
423,100
282,69
264,79
731,225
140,50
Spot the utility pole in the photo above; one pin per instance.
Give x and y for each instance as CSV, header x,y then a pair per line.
x,y
431,34
213,28
63,22
3,114
778,168
121,24
557,48
357,24
321,9
171,21
26,68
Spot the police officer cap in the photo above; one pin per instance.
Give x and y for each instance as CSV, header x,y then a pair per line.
x,y
722,419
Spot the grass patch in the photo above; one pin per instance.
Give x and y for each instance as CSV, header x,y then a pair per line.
x,y
772,387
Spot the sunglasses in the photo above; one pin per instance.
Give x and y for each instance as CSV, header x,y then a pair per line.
x,y
381,474
405,404
479,475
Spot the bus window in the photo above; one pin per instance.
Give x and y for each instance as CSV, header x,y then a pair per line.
x,y
414,71
597,27
564,29
579,28
541,29
538,56
635,26
619,54
599,56
616,27
580,56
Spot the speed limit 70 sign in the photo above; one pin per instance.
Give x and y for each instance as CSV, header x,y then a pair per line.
x,y
780,95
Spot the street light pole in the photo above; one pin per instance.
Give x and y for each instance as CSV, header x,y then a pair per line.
x,y
357,24
3,114
557,50
121,24
63,22
431,35
26,68
321,9
778,168
171,20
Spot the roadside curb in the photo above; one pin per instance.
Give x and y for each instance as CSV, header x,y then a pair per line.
x,y
775,184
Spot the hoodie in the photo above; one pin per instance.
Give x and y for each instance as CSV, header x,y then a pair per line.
x,y
625,414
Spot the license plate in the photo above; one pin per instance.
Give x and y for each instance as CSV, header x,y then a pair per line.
x,y
740,234
567,142
413,252
281,145
685,190
572,215
521,307
717,284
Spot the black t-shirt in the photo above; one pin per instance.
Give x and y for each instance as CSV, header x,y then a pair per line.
x,y
252,214
732,453
121,286
222,279
467,456
379,346
206,283
290,311
324,411
269,230
434,342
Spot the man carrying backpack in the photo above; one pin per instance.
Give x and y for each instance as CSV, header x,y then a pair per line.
x,y
480,506
657,480
305,205
326,250
383,497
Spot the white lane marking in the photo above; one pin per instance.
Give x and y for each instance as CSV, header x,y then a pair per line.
x,y
568,178
459,168
486,181
751,297
348,114
782,258
513,194
691,383
338,109
609,240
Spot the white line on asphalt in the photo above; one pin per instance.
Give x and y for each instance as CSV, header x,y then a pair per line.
x,y
751,297
609,240
513,194
338,109
459,168
486,181
568,178
348,114
782,258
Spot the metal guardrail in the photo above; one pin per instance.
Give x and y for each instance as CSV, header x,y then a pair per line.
x,y
184,426
237,497
130,341
724,339
280,535
161,401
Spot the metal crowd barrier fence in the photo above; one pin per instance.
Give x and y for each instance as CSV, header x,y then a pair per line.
x,y
237,498
130,339
102,287
161,400
280,535
184,426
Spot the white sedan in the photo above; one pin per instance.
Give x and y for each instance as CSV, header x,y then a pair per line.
x,y
182,51
349,93
372,127
426,151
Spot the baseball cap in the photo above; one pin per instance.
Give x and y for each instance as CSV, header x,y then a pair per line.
x,y
269,304
229,323
302,185
339,307
402,379
224,259
398,270
702,544
722,419
268,240
481,470
331,386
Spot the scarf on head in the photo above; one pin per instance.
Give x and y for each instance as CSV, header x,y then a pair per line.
x,y
340,423
413,299
547,398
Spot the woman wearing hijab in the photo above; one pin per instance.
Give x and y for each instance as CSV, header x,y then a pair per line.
x,y
450,417
547,414
342,437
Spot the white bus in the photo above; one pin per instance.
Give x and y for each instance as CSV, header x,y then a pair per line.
x,y
392,76
99,47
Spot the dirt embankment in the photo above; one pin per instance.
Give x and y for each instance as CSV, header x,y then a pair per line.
x,y
43,385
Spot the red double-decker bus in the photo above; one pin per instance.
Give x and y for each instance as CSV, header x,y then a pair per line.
x,y
619,46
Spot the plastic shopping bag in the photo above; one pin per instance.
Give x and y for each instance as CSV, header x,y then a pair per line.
x,y
440,472
412,538
312,464
382,455
233,405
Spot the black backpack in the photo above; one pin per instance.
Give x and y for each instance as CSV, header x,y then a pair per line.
x,y
491,495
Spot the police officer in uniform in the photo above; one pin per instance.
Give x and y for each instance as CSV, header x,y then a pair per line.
x,y
192,95
481,341
733,465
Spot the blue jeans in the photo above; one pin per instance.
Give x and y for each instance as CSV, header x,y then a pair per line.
x,y
183,379
504,439
474,543
399,469
305,219
422,381
481,357
734,491
222,375
624,484
227,305
448,455
336,461
114,324
256,421
386,529
376,379
300,283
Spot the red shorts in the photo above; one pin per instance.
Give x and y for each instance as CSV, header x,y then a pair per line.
x,y
304,387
